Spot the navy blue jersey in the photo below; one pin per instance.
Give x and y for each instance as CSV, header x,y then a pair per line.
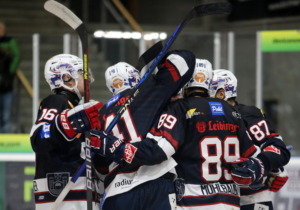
x,y
56,158
274,151
204,135
154,94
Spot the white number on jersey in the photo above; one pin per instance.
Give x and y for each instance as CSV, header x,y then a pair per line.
x,y
224,151
48,114
130,127
257,132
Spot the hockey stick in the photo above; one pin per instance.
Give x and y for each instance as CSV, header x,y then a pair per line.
x,y
198,11
149,55
72,20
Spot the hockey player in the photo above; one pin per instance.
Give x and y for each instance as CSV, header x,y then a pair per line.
x,y
224,86
134,186
204,136
57,136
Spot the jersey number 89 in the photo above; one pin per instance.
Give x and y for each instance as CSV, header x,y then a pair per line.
x,y
214,151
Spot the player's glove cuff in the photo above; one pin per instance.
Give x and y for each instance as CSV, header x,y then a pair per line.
x,y
248,171
276,180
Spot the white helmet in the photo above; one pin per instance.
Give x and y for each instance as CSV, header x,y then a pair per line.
x,y
120,77
202,75
61,65
224,79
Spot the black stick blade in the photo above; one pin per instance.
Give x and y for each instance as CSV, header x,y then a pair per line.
x,y
149,55
212,9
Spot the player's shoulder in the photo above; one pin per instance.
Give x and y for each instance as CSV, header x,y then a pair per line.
x,y
55,101
246,110
178,106
182,102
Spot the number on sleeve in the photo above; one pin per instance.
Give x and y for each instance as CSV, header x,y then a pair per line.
x,y
257,131
48,114
168,121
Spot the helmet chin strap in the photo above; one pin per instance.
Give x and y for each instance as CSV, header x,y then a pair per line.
x,y
74,88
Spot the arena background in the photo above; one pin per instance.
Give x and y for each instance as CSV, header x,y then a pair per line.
x,y
228,41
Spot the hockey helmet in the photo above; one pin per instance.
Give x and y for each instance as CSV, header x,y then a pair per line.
x,y
202,75
62,68
224,79
120,77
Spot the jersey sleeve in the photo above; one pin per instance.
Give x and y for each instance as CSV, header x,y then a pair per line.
x,y
274,153
44,135
163,139
247,148
176,70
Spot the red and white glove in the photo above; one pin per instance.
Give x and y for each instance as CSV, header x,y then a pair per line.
x,y
248,171
80,119
108,145
276,180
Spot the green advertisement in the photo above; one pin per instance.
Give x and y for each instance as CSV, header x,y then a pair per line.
x,y
15,143
280,41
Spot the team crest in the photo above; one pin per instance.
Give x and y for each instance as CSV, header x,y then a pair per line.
x,y
57,182
201,127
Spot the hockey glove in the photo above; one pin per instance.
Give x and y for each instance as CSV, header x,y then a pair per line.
x,y
78,120
276,180
108,145
248,171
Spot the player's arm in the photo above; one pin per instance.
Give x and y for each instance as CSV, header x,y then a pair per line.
x,y
247,170
274,153
57,123
251,170
159,145
175,70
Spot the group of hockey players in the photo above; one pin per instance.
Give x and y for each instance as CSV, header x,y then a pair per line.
x,y
202,150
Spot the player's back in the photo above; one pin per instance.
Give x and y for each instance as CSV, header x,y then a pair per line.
x,y
154,94
214,137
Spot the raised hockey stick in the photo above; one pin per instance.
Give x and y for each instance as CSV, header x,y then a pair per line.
x,y
149,55
198,11
72,20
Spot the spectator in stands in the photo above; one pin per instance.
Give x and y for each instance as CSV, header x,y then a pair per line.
x,y
10,58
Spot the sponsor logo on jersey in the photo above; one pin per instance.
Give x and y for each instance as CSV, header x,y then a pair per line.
x,y
216,108
216,126
221,126
192,112
57,182
112,100
272,149
45,131
208,189
124,182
